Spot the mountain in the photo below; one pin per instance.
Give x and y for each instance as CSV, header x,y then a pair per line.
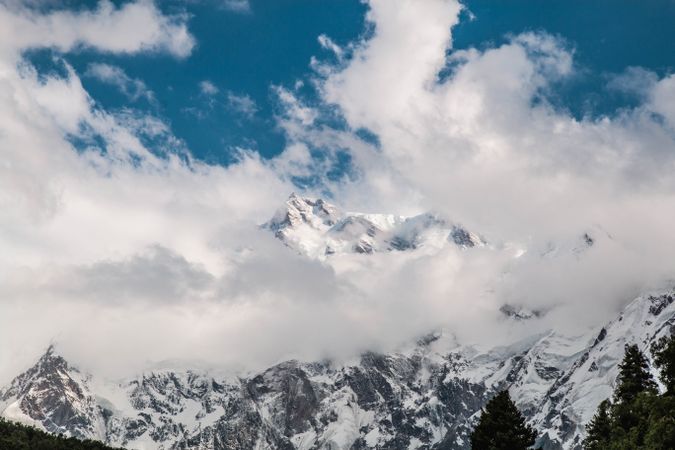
x,y
317,229
56,396
426,396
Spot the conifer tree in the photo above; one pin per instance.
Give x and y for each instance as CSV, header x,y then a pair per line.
x,y
502,427
664,357
634,376
599,430
640,419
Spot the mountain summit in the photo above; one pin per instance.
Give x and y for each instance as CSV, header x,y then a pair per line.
x,y
319,229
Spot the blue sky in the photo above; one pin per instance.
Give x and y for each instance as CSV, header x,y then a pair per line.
x,y
243,53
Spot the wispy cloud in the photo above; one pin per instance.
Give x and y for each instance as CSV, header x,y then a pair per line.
x,y
294,109
208,88
242,104
240,6
634,80
330,45
133,88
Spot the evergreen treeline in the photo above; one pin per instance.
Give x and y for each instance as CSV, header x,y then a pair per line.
x,y
14,436
637,417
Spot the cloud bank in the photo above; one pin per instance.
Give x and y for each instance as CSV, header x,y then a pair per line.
x,y
126,255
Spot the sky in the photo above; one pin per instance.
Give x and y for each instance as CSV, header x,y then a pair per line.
x,y
143,143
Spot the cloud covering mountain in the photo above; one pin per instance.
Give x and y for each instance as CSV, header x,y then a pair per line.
x,y
121,246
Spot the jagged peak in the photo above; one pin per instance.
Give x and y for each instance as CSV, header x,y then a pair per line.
x,y
50,352
519,312
298,210
464,238
51,355
317,228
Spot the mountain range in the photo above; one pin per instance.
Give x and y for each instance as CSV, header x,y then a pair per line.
x,y
427,395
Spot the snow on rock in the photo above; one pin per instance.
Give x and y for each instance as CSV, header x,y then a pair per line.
x,y
317,229
55,395
427,396
572,400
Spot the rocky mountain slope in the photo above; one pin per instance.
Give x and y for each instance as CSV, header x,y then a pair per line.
x,y
426,396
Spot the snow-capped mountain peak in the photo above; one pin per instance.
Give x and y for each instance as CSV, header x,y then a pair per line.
x,y
54,395
318,229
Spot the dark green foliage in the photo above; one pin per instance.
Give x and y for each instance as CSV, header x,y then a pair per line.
x,y
664,357
502,427
640,419
14,436
634,376
599,430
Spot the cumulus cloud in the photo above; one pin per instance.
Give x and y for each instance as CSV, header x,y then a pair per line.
x,y
131,28
143,256
78,222
482,144
662,100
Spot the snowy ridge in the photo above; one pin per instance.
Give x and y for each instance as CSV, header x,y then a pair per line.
x,y
425,397
317,229
573,398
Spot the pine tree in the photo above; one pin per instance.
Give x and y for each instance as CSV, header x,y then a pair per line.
x,y
640,418
634,376
599,430
664,357
502,427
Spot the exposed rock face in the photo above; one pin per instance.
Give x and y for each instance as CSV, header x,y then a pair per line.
x,y
55,395
426,397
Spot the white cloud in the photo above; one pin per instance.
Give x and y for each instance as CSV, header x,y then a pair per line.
x,y
485,147
80,221
240,103
131,28
662,100
634,80
240,6
132,88
329,44
243,104
208,88
87,234
294,109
